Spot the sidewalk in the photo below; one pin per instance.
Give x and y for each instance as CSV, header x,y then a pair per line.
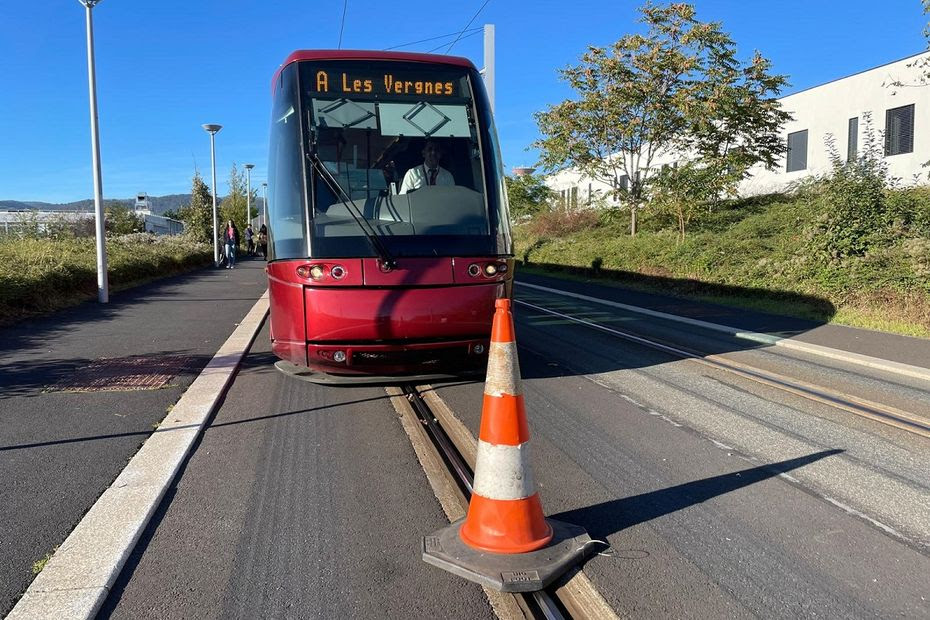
x,y
62,439
892,347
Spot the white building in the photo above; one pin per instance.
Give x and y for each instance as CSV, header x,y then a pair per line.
x,y
894,95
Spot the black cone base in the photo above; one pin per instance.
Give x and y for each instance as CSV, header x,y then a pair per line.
x,y
518,572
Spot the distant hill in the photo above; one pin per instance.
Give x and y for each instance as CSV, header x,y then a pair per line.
x,y
158,204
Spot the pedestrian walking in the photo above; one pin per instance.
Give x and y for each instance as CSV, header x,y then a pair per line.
x,y
249,240
263,241
231,241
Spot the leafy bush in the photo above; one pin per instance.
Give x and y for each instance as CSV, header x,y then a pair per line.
x,y
560,222
854,214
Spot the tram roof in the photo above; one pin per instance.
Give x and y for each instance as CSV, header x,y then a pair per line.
x,y
458,61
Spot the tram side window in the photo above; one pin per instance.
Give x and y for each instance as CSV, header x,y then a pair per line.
x,y
287,211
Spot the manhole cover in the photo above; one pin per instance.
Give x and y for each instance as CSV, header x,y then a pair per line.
x,y
118,374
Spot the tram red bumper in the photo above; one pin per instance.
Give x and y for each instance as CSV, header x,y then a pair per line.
x,y
435,318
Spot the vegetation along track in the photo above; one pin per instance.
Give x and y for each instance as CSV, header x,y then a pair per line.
x,y
867,409
447,451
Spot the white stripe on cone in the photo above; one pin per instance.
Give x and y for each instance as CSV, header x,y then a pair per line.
x,y
503,370
503,472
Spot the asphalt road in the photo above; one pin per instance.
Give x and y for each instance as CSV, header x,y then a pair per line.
x,y
59,450
718,496
301,501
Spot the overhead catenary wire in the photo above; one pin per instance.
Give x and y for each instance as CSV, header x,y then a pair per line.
x,y
474,32
473,17
345,5
442,36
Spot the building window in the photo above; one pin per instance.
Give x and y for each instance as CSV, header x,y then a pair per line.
x,y
899,130
797,151
852,146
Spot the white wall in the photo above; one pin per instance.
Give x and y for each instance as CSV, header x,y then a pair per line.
x,y
827,109
822,110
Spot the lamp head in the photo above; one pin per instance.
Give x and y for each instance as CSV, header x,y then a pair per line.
x,y
90,3
249,166
212,128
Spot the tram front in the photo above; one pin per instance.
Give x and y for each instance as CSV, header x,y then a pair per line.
x,y
389,234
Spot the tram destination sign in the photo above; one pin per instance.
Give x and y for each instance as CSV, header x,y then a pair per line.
x,y
382,83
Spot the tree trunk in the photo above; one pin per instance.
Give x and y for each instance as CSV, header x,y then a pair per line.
x,y
633,221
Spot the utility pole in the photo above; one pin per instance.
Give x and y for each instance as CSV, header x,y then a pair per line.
x,y
489,63
103,288
248,194
212,128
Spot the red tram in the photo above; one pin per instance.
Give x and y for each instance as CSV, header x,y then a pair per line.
x,y
389,235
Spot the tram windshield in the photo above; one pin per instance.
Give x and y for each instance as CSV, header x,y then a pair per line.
x,y
407,147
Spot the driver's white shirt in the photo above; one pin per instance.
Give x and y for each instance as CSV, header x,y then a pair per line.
x,y
418,177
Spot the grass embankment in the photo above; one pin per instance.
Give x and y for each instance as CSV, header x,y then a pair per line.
x,y
38,276
775,253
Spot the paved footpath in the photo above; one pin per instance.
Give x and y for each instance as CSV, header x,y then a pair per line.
x,y
60,448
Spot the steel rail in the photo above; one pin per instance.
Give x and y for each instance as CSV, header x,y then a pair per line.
x,y
541,604
873,411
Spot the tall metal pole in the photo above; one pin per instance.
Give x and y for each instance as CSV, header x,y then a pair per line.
x,y
248,193
212,129
103,292
264,202
489,63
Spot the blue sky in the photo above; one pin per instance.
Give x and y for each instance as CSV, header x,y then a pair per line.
x,y
164,68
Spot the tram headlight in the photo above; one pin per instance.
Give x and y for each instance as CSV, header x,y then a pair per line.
x,y
317,272
339,356
338,272
474,270
502,267
490,269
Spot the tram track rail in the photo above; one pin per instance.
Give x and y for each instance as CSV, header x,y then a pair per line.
x,y
447,450
876,412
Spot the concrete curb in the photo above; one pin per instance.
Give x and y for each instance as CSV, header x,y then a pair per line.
x,y
78,577
907,370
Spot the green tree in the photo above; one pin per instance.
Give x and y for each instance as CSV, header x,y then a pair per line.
x,y
121,220
678,88
682,191
198,215
234,204
527,195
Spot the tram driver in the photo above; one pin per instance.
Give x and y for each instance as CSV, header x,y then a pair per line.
x,y
429,172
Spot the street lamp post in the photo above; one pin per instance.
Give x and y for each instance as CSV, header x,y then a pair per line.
x,y
264,202
212,129
248,193
103,293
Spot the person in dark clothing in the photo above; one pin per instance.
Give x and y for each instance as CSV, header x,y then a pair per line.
x,y
249,241
231,241
263,241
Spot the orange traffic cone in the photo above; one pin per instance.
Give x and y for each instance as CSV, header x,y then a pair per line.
x,y
505,541
505,514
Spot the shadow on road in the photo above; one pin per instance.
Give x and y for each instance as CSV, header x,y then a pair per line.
x,y
602,520
572,335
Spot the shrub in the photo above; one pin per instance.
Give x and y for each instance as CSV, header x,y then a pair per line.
x,y
561,222
39,275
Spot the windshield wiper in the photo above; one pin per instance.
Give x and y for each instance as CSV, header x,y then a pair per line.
x,y
388,262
